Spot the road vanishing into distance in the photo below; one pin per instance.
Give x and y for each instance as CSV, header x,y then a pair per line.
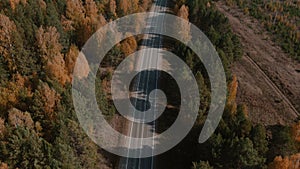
x,y
143,84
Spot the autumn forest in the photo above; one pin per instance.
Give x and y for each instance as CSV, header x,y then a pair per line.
x,y
40,41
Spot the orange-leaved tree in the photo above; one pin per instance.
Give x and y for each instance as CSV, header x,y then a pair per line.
x,y
83,68
129,45
232,92
14,3
296,131
3,166
46,99
51,56
184,28
17,118
7,31
2,128
112,8
291,162
11,92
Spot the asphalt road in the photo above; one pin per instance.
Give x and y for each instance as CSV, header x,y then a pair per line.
x,y
145,82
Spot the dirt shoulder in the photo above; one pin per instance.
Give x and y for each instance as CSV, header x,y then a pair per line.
x,y
269,83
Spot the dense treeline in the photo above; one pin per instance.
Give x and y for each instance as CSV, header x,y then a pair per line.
x,y
39,43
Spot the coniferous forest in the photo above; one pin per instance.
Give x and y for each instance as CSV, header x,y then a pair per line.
x,y
39,44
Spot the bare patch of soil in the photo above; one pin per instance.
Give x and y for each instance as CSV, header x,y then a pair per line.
x,y
269,83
